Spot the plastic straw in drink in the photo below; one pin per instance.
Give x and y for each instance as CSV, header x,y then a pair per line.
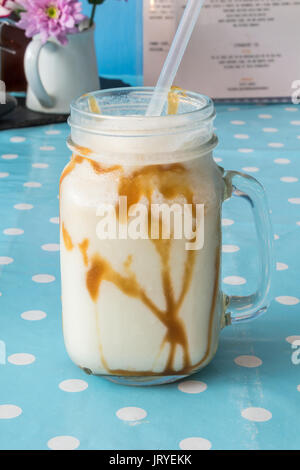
x,y
177,50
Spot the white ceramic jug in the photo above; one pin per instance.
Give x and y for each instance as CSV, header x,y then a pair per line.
x,y
58,74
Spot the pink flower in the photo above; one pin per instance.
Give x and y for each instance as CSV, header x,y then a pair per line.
x,y
50,18
7,7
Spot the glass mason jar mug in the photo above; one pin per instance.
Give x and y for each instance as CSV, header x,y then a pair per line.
x,y
140,224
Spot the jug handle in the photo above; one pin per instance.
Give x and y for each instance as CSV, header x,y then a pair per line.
x,y
31,67
244,308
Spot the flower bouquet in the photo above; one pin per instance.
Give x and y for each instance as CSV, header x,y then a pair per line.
x,y
60,61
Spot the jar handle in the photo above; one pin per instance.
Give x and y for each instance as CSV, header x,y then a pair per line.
x,y
31,67
251,306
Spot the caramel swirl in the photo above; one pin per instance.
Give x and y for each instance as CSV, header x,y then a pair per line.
x,y
93,105
83,246
78,159
169,180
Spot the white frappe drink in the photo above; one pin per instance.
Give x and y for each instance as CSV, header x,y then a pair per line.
x,y
139,307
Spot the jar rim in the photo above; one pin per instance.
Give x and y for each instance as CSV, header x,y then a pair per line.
x,y
194,110
156,159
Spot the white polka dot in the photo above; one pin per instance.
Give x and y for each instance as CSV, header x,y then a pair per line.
x,y
295,123
230,248
251,169
32,184
47,147
234,280
281,266
275,144
51,247
131,413
258,415
291,109
10,156
291,339
17,139
52,132
282,161
298,388
270,129
192,386
43,278
40,165
23,207
21,359
63,443
287,300
226,222
9,411
217,160
294,200
238,123
6,260
13,231
54,220
276,237
248,361
245,150
195,443
33,315
73,385
4,174
298,223
241,136
265,116
289,179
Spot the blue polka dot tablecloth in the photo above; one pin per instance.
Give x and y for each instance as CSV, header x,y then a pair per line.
x,y
247,398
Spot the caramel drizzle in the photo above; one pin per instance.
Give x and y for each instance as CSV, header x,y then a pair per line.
x,y
194,367
101,270
212,309
83,247
171,181
93,105
67,238
78,159
174,98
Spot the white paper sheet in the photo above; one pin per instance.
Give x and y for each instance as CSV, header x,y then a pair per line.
x,y
239,49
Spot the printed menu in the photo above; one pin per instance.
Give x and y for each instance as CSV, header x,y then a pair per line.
x,y
240,49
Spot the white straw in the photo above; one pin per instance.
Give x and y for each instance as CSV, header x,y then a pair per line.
x,y
176,52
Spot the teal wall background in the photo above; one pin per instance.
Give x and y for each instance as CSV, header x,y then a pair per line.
x,y
119,39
